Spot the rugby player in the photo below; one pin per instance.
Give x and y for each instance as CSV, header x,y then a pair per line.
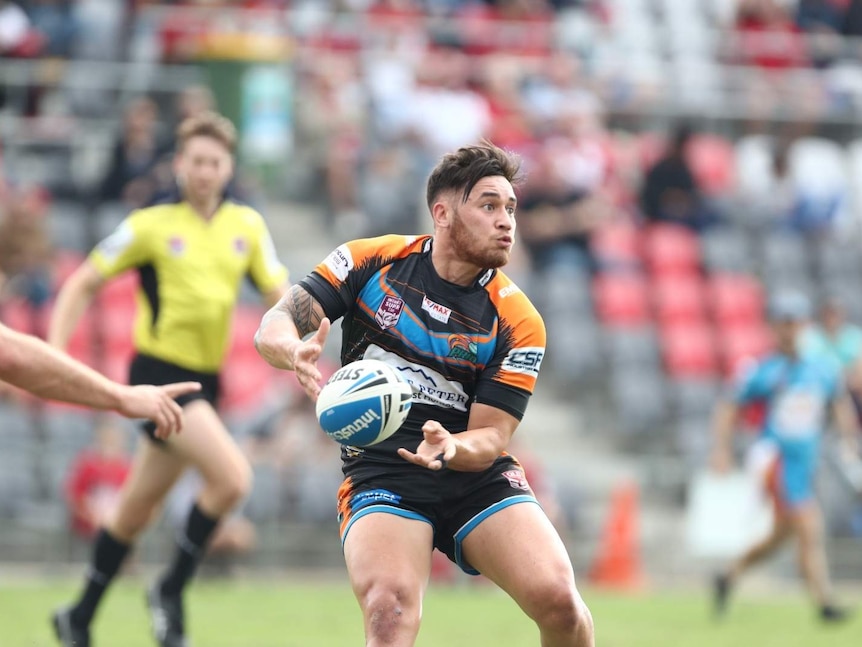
x,y
442,313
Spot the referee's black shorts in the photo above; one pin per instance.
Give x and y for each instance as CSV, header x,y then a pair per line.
x,y
149,370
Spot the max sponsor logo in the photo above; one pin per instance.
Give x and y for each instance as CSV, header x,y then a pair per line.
x,y
526,360
438,312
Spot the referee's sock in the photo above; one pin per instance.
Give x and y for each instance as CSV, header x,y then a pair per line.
x,y
108,556
191,544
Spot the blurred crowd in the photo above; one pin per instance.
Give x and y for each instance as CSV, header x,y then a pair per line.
x,y
682,158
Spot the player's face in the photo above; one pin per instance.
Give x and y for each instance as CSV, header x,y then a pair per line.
x,y
203,168
787,333
483,228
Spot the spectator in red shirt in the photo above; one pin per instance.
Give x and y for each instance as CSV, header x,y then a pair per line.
x,y
95,478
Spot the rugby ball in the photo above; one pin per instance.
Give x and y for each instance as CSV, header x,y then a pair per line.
x,y
363,403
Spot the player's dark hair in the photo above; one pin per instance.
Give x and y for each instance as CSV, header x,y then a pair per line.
x,y
461,170
207,124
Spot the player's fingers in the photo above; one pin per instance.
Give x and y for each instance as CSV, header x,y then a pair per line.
x,y
181,388
410,456
433,427
175,412
322,331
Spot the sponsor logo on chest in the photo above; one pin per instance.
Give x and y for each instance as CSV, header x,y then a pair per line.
x,y
438,312
389,312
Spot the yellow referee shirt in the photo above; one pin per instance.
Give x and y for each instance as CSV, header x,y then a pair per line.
x,y
190,275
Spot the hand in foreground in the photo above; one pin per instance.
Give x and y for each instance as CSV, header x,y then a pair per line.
x,y
436,449
156,403
305,354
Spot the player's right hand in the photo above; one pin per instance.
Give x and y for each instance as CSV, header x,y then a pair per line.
x,y
305,356
157,403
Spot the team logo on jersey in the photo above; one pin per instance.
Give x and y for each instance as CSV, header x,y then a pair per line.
x,y
240,246
517,479
177,245
389,312
438,312
462,347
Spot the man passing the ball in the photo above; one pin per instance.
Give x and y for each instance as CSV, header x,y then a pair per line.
x,y
438,310
191,253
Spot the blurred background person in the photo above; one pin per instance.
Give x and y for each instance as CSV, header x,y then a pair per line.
x,y
95,478
799,391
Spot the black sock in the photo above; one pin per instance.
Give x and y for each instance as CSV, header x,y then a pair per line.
x,y
191,544
108,556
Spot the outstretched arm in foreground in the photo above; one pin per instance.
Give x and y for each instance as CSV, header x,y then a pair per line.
x,y
32,365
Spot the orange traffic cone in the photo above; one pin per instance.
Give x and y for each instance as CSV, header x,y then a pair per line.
x,y
618,562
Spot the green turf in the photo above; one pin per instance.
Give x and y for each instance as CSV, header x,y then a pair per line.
x,y
249,613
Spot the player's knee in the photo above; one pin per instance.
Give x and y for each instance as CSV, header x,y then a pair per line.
x,y
562,611
236,487
390,611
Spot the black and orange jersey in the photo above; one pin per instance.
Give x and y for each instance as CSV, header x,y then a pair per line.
x,y
456,345
191,272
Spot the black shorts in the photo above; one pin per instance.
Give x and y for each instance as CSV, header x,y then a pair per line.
x,y
149,370
452,502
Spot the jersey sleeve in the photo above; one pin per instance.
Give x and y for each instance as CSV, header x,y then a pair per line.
x,y
750,385
336,282
126,247
265,269
510,378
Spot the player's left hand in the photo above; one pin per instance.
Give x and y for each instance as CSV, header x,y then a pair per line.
x,y
156,403
435,451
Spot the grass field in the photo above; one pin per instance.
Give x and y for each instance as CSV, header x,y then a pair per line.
x,y
249,613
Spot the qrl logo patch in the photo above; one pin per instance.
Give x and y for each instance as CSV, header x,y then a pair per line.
x,y
389,312
517,479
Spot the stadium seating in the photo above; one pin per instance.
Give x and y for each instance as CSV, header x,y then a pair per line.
x,y
671,249
678,299
621,299
735,299
688,350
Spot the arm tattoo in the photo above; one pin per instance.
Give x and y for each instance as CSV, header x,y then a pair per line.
x,y
300,306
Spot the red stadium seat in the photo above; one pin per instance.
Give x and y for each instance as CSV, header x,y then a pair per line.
x,y
679,298
671,249
65,262
688,350
616,246
621,299
742,343
735,299
713,162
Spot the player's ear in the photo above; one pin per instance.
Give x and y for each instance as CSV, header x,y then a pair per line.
x,y
441,214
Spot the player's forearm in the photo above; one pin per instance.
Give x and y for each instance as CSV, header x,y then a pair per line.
x,y
277,338
477,449
846,422
33,365
723,424
72,301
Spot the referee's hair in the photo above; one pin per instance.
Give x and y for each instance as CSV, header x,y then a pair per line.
x,y
207,124
461,170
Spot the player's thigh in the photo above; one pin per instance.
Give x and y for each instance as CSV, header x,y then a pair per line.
x,y
154,472
388,551
206,443
519,549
